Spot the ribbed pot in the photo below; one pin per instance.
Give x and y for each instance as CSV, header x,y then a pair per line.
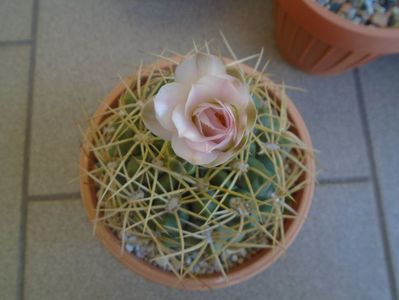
x,y
318,41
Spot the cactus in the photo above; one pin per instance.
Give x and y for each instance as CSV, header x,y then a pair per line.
x,y
192,220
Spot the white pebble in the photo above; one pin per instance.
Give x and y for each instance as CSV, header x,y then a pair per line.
x,y
162,262
129,248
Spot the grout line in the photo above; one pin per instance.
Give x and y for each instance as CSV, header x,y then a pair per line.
x,y
55,197
347,180
26,159
15,43
77,195
376,185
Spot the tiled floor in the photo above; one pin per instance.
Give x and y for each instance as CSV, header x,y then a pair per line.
x,y
59,57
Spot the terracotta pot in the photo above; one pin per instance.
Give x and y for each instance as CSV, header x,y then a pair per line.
x,y
318,41
254,265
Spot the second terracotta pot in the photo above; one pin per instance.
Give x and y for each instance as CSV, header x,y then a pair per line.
x,y
318,41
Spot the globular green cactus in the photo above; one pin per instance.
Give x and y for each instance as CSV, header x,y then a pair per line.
x,y
189,219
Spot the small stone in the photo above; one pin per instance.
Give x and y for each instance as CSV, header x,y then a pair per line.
x,y
150,248
138,252
364,15
379,9
345,8
188,260
380,20
163,263
339,1
351,13
373,13
323,2
368,6
216,266
196,269
242,252
129,248
335,7
226,254
203,264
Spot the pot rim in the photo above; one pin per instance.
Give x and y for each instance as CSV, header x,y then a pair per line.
x,y
244,271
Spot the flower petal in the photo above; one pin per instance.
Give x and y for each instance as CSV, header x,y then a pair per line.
x,y
183,150
209,122
219,144
184,126
251,115
223,157
167,98
197,66
226,88
246,121
151,122
187,129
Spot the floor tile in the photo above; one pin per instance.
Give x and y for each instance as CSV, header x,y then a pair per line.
x,y
83,49
14,63
15,19
381,93
83,46
329,108
338,255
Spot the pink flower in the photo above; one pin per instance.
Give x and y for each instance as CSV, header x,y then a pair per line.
x,y
206,113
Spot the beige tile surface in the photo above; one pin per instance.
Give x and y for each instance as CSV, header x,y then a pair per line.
x,y
381,93
338,255
329,108
14,62
15,19
83,46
